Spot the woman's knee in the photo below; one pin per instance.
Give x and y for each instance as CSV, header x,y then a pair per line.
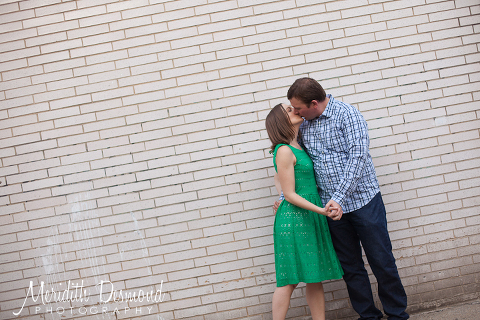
x,y
288,287
315,285
291,287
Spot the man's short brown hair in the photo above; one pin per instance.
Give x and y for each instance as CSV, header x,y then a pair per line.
x,y
279,127
306,90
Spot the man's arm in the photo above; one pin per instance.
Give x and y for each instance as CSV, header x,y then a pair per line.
x,y
356,134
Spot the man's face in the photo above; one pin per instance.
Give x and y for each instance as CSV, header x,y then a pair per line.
x,y
300,108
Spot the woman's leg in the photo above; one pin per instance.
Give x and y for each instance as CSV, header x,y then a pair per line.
x,y
316,300
281,301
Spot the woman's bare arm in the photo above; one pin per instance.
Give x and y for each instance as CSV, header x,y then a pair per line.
x,y
285,160
277,184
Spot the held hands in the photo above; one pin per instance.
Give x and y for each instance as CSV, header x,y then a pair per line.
x,y
334,210
334,213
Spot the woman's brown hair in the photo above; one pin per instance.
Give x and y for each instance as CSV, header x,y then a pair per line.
x,y
279,127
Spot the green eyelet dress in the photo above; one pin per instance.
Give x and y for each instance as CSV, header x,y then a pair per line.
x,y
302,242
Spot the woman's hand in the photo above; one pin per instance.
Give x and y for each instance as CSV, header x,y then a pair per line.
x,y
333,204
335,213
332,212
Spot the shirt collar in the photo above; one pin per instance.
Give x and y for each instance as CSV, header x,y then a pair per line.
x,y
328,112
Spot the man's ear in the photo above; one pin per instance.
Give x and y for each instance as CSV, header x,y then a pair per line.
x,y
314,104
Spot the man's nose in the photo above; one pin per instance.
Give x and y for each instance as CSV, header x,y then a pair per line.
x,y
295,111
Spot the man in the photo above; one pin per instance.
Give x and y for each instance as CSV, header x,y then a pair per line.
x,y
335,135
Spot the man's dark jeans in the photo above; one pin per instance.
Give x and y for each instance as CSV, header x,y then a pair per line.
x,y
368,225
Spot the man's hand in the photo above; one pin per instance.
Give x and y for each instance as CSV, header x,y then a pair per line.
x,y
276,205
334,213
334,210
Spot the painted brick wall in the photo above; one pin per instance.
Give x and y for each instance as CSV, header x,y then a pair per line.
x,y
133,148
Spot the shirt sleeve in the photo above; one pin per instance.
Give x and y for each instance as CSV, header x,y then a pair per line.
x,y
356,136
300,141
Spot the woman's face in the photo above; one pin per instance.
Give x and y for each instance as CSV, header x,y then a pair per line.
x,y
294,118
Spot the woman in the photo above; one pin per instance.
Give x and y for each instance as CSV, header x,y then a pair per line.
x,y
303,247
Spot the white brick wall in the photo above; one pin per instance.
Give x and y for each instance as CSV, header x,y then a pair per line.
x,y
133,147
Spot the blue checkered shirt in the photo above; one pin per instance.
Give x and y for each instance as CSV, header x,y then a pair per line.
x,y
337,142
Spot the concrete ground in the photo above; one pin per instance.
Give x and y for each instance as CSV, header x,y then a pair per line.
x,y
465,311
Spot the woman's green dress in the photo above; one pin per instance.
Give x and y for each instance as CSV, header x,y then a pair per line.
x,y
302,242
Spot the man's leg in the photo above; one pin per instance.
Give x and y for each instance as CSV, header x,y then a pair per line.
x,y
349,252
371,226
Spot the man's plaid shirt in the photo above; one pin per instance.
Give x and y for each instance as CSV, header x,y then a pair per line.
x,y
337,142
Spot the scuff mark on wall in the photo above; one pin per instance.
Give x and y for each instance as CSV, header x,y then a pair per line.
x,y
144,244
